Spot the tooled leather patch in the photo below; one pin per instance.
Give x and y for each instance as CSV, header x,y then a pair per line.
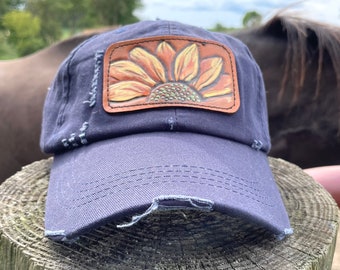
x,y
169,71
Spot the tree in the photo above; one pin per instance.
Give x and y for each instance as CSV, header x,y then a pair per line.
x,y
24,31
56,16
49,13
115,12
75,14
9,5
251,19
70,14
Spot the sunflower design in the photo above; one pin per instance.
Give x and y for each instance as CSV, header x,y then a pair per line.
x,y
163,74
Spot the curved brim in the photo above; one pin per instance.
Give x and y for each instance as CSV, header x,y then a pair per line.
x,y
122,177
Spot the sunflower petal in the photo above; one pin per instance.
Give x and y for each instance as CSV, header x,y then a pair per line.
x,y
223,87
150,63
186,64
127,90
166,54
210,69
126,71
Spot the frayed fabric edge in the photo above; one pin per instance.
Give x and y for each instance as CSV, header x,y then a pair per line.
x,y
156,205
287,231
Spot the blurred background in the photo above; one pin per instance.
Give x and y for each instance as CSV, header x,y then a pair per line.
x,y
30,25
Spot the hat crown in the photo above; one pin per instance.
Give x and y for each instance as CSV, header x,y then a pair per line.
x,y
196,68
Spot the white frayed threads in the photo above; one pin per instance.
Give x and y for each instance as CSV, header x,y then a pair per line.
x,y
74,140
55,233
175,202
94,86
171,123
287,231
257,145
82,134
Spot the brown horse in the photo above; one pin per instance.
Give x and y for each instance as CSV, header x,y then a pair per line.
x,y
300,61
23,85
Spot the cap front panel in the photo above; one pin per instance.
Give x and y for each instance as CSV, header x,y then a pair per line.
x,y
170,71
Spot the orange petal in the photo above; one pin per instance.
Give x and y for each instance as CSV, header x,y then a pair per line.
x,y
166,54
186,64
210,69
127,90
150,63
223,87
128,71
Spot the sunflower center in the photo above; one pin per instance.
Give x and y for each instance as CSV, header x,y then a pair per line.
x,y
172,92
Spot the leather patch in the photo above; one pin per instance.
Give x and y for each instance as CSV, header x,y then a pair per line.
x,y
167,71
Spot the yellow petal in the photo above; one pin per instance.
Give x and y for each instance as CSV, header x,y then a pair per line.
x,y
217,92
128,71
186,64
152,66
223,87
166,54
210,69
127,90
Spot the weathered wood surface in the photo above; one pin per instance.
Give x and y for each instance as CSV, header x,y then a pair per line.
x,y
176,240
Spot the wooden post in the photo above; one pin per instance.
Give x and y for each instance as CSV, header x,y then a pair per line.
x,y
175,240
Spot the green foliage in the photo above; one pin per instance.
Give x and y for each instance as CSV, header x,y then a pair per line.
x,y
77,14
49,13
6,50
21,24
33,24
24,30
115,12
252,19
220,28
8,5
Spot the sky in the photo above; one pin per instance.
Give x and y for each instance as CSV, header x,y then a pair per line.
x,y
229,13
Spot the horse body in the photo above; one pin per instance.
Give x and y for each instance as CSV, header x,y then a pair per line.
x,y
23,86
300,62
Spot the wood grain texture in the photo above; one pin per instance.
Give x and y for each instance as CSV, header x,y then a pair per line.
x,y
175,240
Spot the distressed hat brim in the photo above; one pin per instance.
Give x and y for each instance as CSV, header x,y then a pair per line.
x,y
132,176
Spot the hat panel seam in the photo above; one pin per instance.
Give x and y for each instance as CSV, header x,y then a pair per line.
x,y
66,95
261,113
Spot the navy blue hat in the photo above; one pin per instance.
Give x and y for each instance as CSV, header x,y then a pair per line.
x,y
158,115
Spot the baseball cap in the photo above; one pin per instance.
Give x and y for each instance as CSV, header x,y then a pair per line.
x,y
158,115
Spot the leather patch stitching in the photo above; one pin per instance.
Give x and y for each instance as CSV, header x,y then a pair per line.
x,y
170,71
